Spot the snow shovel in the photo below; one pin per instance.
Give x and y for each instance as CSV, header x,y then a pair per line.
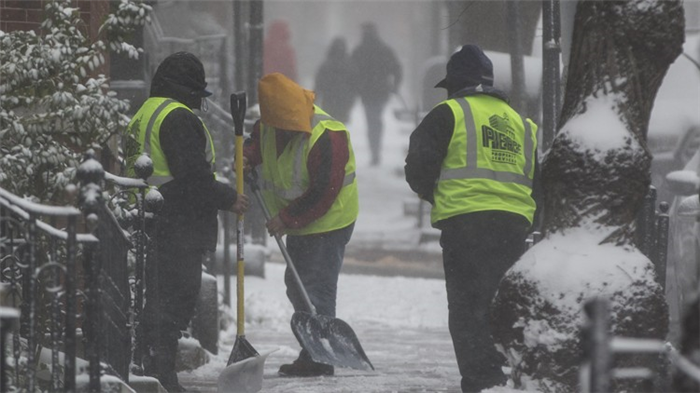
x,y
328,340
244,370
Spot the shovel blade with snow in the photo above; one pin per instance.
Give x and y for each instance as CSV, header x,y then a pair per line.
x,y
242,349
243,376
329,340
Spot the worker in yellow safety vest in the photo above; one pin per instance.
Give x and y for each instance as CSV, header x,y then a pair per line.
x,y
474,158
308,183
182,151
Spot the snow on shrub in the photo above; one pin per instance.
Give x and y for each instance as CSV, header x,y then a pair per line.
x,y
53,107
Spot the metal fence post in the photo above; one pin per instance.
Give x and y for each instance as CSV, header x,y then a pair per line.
x,y
8,322
551,81
70,342
90,174
29,300
154,203
143,171
645,225
255,43
598,345
662,222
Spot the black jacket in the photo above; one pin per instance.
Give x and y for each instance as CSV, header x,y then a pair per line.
x,y
193,197
428,148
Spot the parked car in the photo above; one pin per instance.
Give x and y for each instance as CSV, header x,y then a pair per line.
x,y
683,242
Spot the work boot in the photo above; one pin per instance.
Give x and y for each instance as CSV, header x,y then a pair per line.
x,y
305,368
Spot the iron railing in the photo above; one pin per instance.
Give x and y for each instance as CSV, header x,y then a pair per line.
x,y
599,349
138,205
39,266
74,317
8,324
651,236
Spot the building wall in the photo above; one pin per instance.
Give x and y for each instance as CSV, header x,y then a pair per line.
x,y
28,14
21,15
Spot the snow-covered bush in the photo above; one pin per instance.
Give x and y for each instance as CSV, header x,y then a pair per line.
x,y
53,104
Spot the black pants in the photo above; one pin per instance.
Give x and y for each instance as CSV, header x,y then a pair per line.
x,y
374,109
478,249
171,295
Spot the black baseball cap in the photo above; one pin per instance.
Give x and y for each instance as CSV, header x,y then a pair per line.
x,y
469,66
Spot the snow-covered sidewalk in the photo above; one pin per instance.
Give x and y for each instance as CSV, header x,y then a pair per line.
x,y
401,323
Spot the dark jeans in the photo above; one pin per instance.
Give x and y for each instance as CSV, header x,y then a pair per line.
x,y
374,108
317,258
478,249
170,308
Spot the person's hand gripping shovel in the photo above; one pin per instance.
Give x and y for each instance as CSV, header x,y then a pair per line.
x,y
244,371
328,340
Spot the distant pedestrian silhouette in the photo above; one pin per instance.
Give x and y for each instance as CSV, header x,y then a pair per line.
x,y
278,53
334,86
379,75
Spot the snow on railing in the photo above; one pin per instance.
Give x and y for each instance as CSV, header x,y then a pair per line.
x,y
143,202
40,270
125,182
37,208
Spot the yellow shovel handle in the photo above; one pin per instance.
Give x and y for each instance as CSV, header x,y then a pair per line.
x,y
240,318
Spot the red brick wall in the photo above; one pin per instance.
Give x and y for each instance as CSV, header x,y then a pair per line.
x,y
21,15
28,14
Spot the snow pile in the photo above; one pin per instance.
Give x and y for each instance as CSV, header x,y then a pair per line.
x,y
538,310
572,266
599,129
574,260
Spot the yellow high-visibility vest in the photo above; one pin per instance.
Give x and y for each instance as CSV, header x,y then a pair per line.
x,y
286,177
490,160
143,135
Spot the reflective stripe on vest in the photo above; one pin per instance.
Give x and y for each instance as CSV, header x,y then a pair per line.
x,y
471,170
296,192
161,174
489,163
297,189
285,176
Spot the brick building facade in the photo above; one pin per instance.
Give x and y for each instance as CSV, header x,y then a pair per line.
x,y
28,14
